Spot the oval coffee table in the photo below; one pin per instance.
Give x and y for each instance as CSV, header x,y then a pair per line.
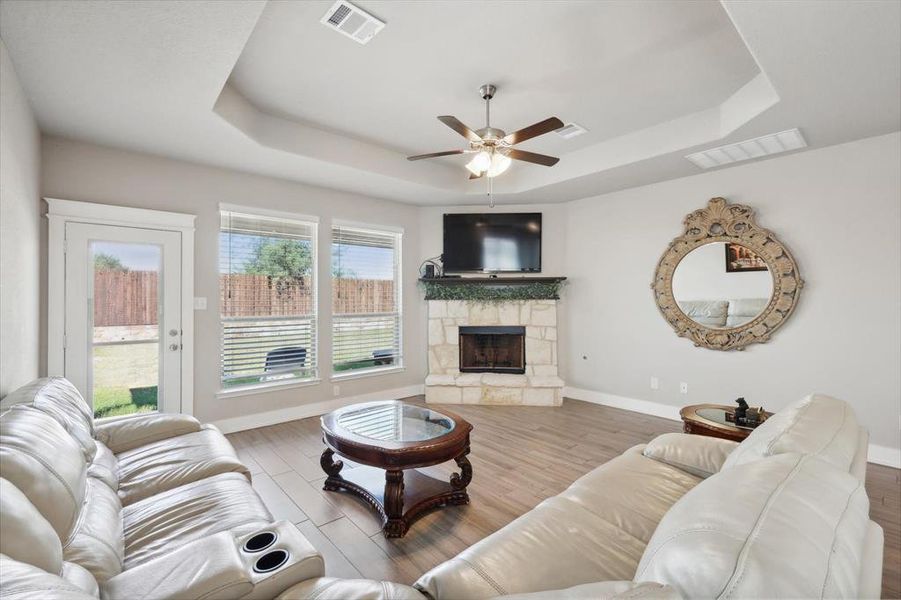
x,y
393,439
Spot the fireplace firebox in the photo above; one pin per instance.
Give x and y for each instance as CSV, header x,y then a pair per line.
x,y
493,349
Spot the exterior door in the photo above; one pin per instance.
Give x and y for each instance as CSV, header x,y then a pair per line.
x,y
123,317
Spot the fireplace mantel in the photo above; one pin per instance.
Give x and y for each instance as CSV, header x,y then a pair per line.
x,y
492,289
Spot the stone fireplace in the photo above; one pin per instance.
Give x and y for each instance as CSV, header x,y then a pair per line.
x,y
493,352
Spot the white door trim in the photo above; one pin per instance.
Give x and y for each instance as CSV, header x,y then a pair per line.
x,y
61,212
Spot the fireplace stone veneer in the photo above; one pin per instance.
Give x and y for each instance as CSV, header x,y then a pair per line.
x,y
539,385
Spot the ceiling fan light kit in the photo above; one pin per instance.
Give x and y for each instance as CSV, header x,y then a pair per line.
x,y
493,148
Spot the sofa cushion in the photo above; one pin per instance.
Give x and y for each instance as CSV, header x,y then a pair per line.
x,y
711,313
332,588
160,523
595,530
80,578
788,526
697,454
45,463
743,310
105,467
22,581
96,541
25,535
169,463
57,397
816,424
125,433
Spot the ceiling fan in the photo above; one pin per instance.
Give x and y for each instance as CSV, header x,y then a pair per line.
x,y
493,148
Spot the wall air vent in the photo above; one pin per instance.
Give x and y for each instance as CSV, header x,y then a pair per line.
x,y
765,145
354,22
570,130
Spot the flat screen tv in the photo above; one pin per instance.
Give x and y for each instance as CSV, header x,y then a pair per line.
x,y
492,242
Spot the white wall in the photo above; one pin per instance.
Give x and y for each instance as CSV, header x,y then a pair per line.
x,y
20,240
701,275
78,171
838,209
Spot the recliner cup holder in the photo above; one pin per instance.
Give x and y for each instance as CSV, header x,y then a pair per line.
x,y
260,541
270,561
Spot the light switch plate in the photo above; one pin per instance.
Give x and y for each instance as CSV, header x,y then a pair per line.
x,y
199,303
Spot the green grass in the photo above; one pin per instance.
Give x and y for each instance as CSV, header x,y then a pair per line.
x,y
125,379
117,401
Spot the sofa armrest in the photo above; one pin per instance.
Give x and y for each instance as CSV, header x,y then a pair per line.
x,y
127,433
696,454
331,588
218,566
604,590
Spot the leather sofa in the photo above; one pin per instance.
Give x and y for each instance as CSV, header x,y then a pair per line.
x,y
148,506
784,514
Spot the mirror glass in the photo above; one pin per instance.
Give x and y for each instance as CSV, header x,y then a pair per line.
x,y
722,285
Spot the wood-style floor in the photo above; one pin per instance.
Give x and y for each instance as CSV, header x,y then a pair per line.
x,y
520,456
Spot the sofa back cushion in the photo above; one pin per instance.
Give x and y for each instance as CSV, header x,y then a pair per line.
x,y
711,313
57,397
25,535
97,541
45,463
742,310
788,526
816,424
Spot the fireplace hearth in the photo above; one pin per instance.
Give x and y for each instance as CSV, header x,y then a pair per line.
x,y
493,349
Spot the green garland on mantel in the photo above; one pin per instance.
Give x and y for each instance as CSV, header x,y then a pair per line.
x,y
493,292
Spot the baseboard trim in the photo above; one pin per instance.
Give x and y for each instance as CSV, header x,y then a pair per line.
x,y
880,455
640,406
273,417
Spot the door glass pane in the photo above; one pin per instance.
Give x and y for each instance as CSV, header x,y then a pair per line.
x,y
125,346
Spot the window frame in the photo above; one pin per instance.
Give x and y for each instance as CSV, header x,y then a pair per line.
x,y
398,232
274,385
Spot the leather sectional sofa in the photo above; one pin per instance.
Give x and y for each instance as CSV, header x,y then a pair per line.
x,y
784,514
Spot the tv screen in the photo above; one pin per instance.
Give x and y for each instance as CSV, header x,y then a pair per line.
x,y
492,242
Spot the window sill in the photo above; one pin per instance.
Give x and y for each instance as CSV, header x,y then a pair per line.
x,y
262,388
361,373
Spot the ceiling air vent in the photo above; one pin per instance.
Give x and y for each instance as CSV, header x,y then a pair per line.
x,y
354,22
765,145
570,130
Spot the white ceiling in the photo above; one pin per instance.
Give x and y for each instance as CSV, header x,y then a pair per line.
x,y
573,60
268,89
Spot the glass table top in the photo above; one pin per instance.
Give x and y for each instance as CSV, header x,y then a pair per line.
x,y
718,415
395,422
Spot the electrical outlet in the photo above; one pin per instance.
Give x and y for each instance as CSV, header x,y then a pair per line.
x,y
683,388
336,390
655,383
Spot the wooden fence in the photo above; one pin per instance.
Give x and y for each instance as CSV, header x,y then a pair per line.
x,y
130,297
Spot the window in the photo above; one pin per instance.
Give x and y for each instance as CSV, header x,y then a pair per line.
x,y
267,298
366,307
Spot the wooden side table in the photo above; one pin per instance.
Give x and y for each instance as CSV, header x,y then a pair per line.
x,y
710,420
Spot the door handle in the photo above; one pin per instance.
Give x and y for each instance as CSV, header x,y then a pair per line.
x,y
173,347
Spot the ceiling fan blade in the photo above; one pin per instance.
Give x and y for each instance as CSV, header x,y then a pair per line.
x,y
532,157
435,154
474,176
535,130
458,126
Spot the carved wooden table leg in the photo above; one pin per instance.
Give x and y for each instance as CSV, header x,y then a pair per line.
x,y
332,468
395,525
460,480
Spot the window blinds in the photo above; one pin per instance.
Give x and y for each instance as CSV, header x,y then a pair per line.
x,y
267,299
366,322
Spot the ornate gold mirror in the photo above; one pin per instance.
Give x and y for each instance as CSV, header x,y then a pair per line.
x,y
726,282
